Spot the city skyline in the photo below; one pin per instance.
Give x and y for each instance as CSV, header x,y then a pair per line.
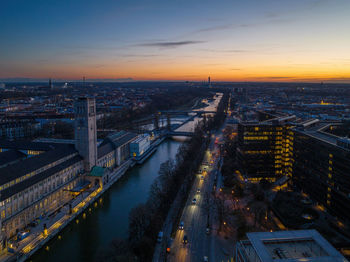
x,y
303,41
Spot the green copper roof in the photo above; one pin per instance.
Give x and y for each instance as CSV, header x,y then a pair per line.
x,y
97,171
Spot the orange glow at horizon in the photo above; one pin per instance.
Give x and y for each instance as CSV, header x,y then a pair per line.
x,y
197,72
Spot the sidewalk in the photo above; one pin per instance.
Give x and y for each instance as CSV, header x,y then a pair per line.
x,y
159,250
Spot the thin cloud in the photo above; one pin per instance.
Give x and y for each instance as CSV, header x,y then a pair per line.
x,y
226,50
215,28
170,44
139,55
271,19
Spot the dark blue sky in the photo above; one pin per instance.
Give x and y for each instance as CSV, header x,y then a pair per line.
x,y
191,39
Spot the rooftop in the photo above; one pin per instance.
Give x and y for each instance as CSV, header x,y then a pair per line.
x,y
317,130
11,156
120,138
26,145
298,245
97,171
8,192
28,165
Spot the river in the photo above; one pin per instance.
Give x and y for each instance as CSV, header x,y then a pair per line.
x,y
108,219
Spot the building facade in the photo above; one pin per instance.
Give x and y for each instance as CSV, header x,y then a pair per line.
x,y
35,186
139,146
322,169
39,178
265,149
18,129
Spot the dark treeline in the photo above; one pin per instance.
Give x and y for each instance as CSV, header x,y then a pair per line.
x,y
146,220
58,129
172,99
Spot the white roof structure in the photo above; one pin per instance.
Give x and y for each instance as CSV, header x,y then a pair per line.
x,y
290,246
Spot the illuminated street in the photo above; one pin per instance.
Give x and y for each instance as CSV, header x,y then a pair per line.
x,y
195,216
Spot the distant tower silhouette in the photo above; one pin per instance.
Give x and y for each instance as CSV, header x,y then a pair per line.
x,y
83,81
209,83
50,83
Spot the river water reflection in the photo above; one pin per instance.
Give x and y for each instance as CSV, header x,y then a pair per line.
x,y
109,218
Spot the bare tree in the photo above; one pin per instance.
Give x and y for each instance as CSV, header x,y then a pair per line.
x,y
223,210
138,222
207,206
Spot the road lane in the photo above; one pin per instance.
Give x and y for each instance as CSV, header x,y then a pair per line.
x,y
195,216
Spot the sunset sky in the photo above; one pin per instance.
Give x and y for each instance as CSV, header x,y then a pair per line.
x,y
250,40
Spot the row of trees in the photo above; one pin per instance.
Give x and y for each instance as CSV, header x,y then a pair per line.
x,y
172,98
58,129
146,220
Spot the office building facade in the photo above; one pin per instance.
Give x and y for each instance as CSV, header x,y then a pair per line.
x,y
322,168
265,149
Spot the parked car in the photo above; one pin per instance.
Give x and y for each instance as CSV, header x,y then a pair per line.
x,y
198,190
160,237
194,201
22,235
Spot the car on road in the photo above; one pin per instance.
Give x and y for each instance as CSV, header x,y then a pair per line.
x,y
202,177
194,201
181,226
160,237
205,259
185,240
198,190
207,230
168,245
